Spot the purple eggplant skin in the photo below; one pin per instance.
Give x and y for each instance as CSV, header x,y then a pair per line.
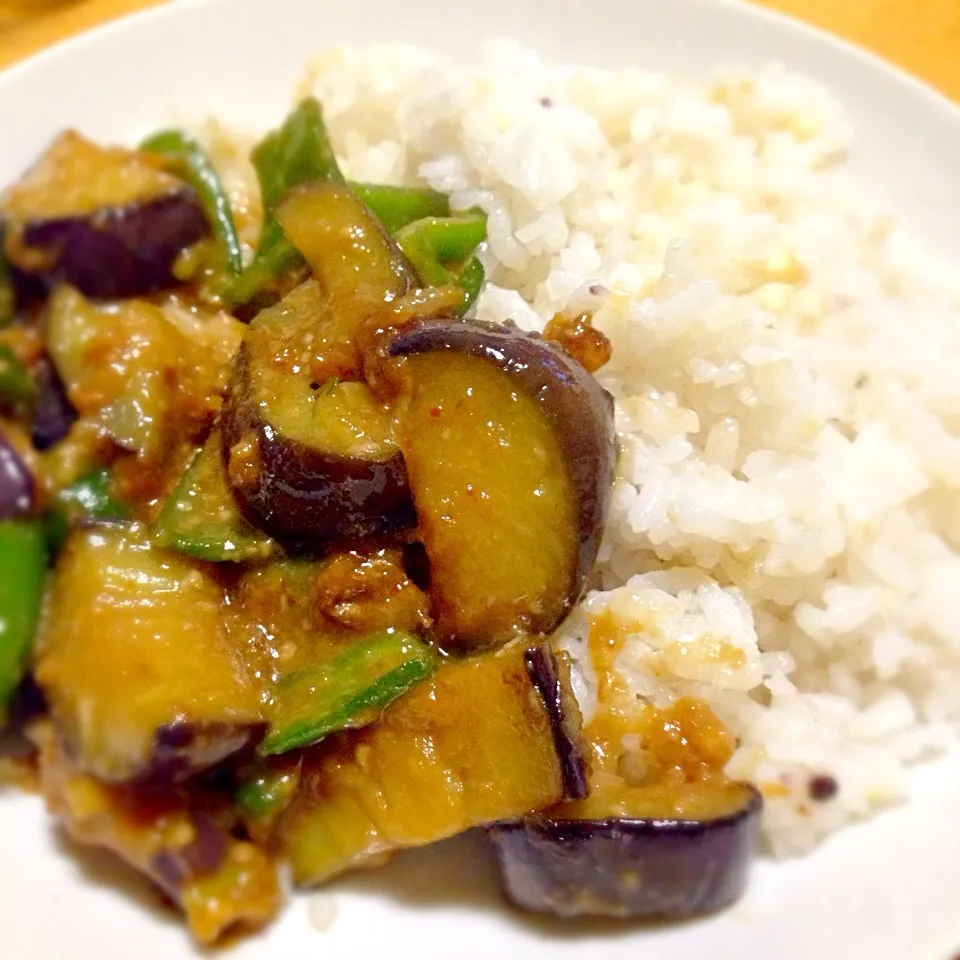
x,y
172,868
579,409
184,748
551,677
53,414
17,488
303,493
669,869
118,252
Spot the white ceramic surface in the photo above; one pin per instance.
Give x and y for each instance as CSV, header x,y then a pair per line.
x,y
888,889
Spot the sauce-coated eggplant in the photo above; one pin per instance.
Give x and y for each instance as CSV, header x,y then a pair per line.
x,y
114,226
652,867
510,451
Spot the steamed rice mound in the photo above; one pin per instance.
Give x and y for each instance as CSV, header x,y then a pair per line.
x,y
784,367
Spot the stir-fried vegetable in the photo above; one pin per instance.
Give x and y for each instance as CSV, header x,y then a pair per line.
x,y
143,675
299,152
201,518
16,386
473,745
17,484
441,250
52,413
189,161
105,220
305,566
23,565
88,498
396,207
440,246
349,691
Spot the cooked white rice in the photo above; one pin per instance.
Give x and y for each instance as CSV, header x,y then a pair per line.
x,y
785,369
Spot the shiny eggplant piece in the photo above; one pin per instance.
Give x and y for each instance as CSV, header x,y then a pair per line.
x,y
474,744
53,414
308,463
138,664
17,486
510,451
107,221
182,841
310,449
653,867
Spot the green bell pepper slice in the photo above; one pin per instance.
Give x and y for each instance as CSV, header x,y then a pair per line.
x,y
189,161
23,566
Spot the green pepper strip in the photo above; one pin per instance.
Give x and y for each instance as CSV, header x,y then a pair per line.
x,y
266,792
16,385
300,151
190,162
88,497
434,244
23,564
201,517
349,691
395,207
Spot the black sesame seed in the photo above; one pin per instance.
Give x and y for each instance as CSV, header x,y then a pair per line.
x,y
546,102
823,787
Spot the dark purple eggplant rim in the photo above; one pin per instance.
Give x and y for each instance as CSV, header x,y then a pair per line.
x,y
560,829
119,252
541,667
565,392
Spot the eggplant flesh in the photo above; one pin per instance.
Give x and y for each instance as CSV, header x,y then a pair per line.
x,y
509,449
473,745
649,868
144,679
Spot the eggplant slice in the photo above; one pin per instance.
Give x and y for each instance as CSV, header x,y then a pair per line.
x,y
107,221
653,868
143,677
474,744
310,449
510,451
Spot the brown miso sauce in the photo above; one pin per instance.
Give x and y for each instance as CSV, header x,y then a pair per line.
x,y
647,761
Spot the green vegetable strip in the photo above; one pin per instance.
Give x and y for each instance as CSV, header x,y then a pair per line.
x,y
191,163
299,152
16,385
395,207
201,518
275,256
266,791
449,239
441,250
23,563
347,692
471,281
88,498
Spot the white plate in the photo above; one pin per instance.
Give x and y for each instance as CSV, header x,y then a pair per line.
x,y
887,889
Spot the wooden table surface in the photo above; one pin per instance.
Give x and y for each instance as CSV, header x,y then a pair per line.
x,y
923,35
